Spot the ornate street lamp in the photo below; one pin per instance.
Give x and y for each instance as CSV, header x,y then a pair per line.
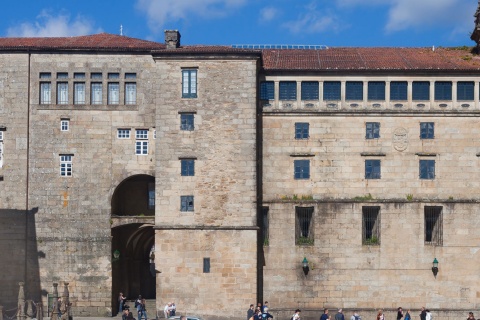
x,y
305,266
435,267
116,255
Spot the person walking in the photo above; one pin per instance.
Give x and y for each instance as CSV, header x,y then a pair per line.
x,y
428,315
399,313
407,315
296,315
339,315
380,315
355,316
423,314
143,310
470,316
250,312
266,315
324,316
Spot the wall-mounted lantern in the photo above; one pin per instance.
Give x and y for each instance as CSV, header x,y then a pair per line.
x,y
116,255
435,267
305,266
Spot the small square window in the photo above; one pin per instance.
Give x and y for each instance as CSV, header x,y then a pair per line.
x,y
372,130
66,165
465,90
304,226
371,225
79,75
206,265
427,130
187,121
420,90
141,134
186,203
331,90
372,169
302,130
113,76
130,75
310,90
376,90
354,90
301,169
398,90
287,90
443,90
45,75
96,75
427,169
188,167
64,124
123,133
62,75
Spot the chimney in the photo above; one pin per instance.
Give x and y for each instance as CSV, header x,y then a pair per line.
x,y
172,39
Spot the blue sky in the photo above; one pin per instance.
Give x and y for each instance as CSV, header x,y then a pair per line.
x,y
334,23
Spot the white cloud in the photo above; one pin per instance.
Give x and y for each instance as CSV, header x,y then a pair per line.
x,y
268,14
314,21
161,11
406,14
47,25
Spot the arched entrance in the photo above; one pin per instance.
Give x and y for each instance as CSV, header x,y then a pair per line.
x,y
133,218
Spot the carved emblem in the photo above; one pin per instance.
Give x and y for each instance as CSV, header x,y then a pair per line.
x,y
400,139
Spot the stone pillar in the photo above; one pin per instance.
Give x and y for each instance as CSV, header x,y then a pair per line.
x,y
56,307
21,302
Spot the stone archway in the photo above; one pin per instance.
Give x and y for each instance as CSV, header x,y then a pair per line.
x,y
133,218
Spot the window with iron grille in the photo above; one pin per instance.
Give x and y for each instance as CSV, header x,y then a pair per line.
x,y
372,130
420,90
331,90
267,90
310,90
302,130
304,226
187,167
427,169
371,225
189,83
206,265
398,90
443,90
186,203
301,169
433,225
187,121
427,130
372,169
265,229
376,90
465,90
287,90
354,90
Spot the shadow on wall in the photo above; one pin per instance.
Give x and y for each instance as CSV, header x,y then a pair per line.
x,y
19,262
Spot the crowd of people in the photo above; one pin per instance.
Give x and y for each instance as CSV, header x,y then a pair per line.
x,y
260,312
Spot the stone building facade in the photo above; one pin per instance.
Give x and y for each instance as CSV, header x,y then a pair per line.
x,y
206,175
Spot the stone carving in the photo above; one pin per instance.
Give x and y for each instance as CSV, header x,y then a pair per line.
x,y
400,139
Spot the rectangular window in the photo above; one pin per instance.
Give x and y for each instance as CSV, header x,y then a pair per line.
x,y
79,93
130,93
66,165
96,94
265,228
206,265
123,133
398,90
45,93
372,130
301,169
62,75
427,169
427,130
331,90
113,96
310,90
151,195
187,121
443,90
304,226
376,90
62,92
189,83
372,169
302,130
433,225
354,90
96,75
64,124
186,203
141,143
465,90
187,167
420,90
371,225
267,90
287,90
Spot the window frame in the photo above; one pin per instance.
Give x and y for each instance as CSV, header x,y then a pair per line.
x,y
443,90
265,226
399,91
426,169
433,225
187,203
287,91
376,90
332,91
304,226
371,225
301,169
189,83
187,167
96,93
141,142
123,133
66,165
187,121
310,90
64,125
354,91
302,130
421,91
427,130
373,169
372,130
465,91
267,90
62,92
